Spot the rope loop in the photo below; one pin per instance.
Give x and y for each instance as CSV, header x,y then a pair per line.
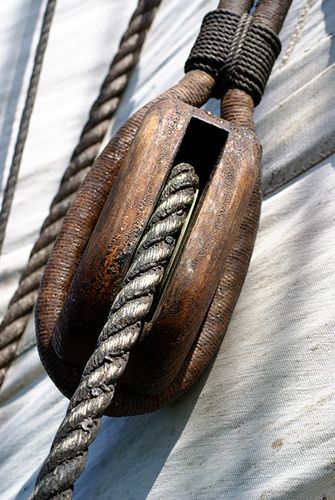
x,y
237,52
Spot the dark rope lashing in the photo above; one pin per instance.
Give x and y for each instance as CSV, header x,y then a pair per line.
x,y
95,392
100,115
237,52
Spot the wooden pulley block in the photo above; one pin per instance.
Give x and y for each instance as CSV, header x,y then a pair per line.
x,y
93,252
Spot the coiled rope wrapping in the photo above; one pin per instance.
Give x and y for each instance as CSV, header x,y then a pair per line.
x,y
93,396
237,52
94,131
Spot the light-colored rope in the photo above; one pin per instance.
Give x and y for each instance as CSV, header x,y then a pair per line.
x,y
101,113
95,392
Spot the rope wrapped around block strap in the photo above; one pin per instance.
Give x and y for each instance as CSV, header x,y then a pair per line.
x,y
237,52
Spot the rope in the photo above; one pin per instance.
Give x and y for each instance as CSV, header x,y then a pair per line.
x,y
25,119
68,453
237,43
237,52
94,131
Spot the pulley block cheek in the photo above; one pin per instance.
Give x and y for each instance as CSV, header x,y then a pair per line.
x,y
181,334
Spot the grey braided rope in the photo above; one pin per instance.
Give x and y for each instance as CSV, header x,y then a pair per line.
x,y
25,119
94,131
94,394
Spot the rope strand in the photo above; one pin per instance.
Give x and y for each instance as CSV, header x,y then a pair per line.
x,y
95,392
94,131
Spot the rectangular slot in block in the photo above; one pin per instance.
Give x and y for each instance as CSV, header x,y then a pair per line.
x,y
201,147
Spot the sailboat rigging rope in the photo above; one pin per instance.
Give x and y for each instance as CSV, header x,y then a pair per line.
x,y
94,394
134,301
25,120
93,133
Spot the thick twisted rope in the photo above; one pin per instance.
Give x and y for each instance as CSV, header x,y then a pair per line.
x,y
25,119
101,113
94,394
